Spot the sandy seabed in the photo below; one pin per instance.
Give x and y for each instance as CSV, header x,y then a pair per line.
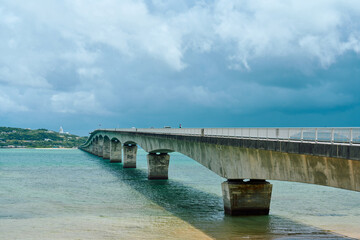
x,y
348,228
91,227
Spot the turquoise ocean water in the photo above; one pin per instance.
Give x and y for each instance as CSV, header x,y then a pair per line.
x,y
70,194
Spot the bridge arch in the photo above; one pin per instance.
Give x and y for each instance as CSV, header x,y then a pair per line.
x,y
106,147
115,139
130,142
161,150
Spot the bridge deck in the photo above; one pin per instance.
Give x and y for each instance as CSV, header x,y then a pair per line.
x,y
324,135
331,147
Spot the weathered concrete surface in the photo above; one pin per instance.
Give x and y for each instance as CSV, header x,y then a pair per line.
x,y
90,149
324,164
100,143
246,198
95,146
106,148
158,165
129,156
115,151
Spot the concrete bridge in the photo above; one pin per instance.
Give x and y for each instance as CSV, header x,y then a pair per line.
x,y
246,157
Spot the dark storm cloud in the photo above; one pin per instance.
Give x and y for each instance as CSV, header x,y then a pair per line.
x,y
140,62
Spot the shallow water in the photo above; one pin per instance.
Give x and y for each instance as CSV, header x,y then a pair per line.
x,y
70,194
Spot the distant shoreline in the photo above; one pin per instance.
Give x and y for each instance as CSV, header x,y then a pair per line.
x,y
38,139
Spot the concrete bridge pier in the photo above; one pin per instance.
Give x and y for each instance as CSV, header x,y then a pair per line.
x,y
91,150
129,155
115,151
96,147
87,149
106,148
100,147
158,165
246,198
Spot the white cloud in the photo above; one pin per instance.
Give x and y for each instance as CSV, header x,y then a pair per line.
x,y
245,30
310,29
8,105
108,45
11,19
22,76
90,72
76,102
126,26
80,55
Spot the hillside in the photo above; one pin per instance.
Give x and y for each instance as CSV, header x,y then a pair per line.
x,y
40,138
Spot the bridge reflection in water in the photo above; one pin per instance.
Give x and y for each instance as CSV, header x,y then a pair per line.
x,y
246,157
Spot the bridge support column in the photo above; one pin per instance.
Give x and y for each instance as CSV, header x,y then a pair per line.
x,y
246,198
100,147
115,151
130,156
106,149
95,148
158,165
91,149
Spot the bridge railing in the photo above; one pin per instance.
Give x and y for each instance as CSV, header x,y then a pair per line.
x,y
330,135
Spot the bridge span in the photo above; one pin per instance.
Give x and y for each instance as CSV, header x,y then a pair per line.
x,y
246,157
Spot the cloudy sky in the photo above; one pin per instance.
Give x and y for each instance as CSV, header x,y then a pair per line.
x,y
80,64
